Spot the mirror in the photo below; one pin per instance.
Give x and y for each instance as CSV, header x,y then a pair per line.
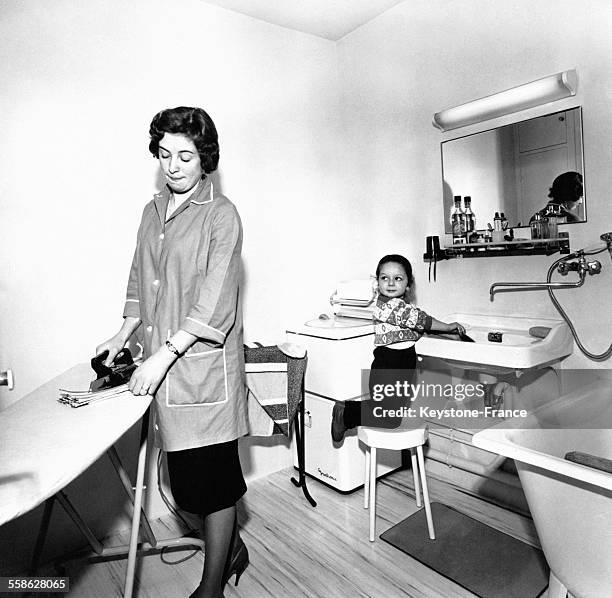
x,y
511,169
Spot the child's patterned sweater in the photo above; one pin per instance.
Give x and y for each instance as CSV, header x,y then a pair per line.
x,y
396,321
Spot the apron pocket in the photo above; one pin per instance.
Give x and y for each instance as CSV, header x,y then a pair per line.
x,y
199,378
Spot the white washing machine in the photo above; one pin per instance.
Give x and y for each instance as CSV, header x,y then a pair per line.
x,y
338,350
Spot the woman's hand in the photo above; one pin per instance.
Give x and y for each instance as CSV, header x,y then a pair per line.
x,y
148,376
113,346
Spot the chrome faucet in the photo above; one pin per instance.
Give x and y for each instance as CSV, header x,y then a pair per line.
x,y
580,265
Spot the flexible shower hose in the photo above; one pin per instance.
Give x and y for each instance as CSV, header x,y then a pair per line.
x,y
602,356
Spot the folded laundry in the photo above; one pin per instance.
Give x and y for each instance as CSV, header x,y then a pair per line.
x,y
80,398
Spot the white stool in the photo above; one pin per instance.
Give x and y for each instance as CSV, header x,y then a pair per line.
x,y
396,440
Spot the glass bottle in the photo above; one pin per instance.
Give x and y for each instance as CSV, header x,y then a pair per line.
x,y
457,219
539,227
553,215
470,218
497,222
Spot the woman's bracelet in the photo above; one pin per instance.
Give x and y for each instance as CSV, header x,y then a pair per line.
x,y
172,349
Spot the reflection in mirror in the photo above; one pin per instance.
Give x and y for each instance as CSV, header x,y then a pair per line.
x,y
511,169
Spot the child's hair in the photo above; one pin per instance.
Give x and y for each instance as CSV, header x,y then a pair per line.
x,y
396,259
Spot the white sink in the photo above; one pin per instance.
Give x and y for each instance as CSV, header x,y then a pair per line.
x,y
571,504
518,350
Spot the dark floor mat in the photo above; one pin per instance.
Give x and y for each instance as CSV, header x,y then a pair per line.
x,y
479,558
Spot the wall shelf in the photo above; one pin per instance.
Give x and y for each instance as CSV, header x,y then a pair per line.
x,y
518,247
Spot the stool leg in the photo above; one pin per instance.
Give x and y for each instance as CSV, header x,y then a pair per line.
x,y
430,525
366,485
415,476
372,493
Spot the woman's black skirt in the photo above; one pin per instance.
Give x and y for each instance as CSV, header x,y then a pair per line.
x,y
206,479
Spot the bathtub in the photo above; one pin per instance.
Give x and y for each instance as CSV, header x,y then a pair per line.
x,y
571,504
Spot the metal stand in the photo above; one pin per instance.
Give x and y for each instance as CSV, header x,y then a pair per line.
x,y
151,546
298,426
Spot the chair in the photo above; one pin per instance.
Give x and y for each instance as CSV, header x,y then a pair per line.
x,y
285,404
396,440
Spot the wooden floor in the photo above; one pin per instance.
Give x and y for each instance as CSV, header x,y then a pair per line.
x,y
300,551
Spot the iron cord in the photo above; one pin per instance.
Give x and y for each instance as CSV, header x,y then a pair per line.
x,y
595,357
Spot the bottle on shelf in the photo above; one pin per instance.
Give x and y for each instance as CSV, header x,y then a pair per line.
x,y
498,232
539,227
470,218
497,222
553,216
457,221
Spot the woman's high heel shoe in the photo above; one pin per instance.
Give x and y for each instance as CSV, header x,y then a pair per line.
x,y
238,561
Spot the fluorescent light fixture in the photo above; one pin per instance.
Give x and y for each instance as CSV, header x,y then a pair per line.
x,y
549,89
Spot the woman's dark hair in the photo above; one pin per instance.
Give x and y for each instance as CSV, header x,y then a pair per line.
x,y
396,259
567,187
195,124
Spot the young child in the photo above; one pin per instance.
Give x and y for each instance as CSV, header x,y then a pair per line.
x,y
398,325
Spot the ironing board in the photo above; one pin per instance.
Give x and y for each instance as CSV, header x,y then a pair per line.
x,y
46,445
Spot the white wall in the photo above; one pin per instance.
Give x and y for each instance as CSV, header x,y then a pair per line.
x,y
80,84
426,55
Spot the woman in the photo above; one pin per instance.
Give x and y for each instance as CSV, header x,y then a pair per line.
x,y
183,303
565,195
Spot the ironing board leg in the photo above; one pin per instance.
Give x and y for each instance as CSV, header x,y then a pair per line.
x,y
125,480
95,544
298,426
142,457
42,535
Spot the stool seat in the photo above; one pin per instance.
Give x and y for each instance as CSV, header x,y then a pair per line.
x,y
395,439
